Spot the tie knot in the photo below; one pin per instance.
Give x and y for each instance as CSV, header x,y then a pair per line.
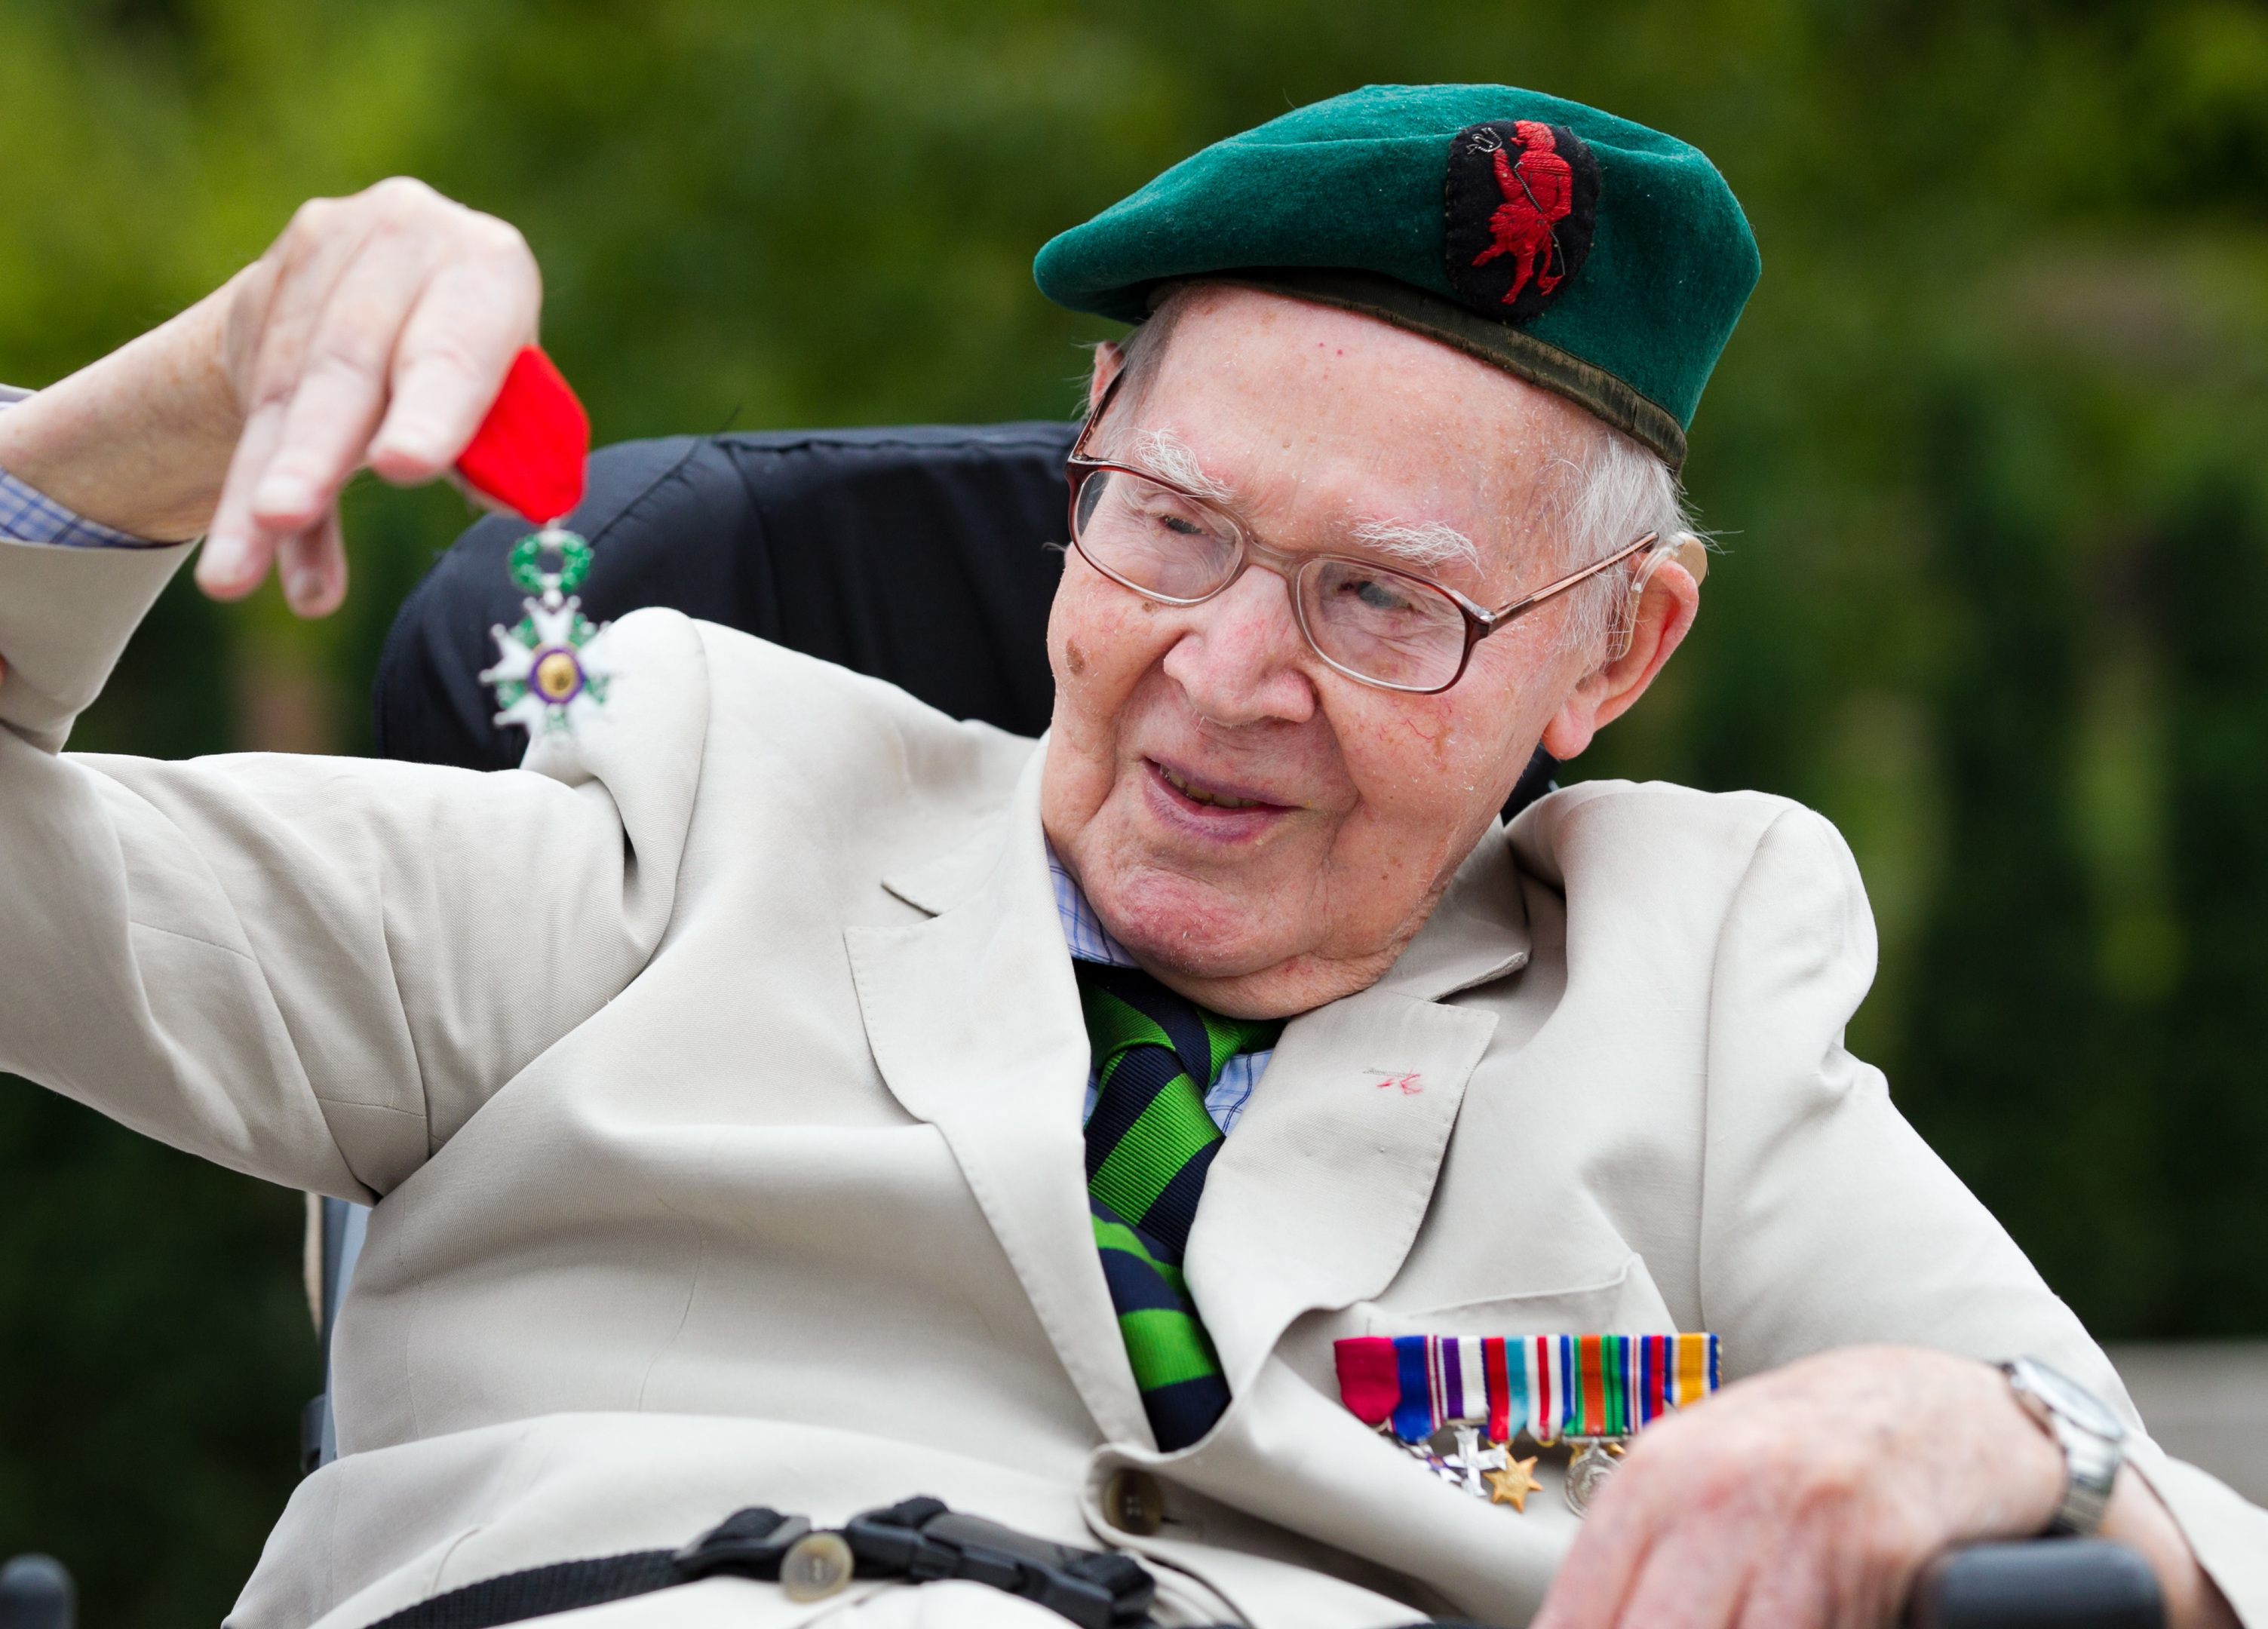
x,y
1125,1007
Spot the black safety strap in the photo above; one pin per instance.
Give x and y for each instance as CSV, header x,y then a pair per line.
x,y
542,1590
920,1540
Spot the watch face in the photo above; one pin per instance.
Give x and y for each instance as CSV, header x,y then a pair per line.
x,y
2066,1397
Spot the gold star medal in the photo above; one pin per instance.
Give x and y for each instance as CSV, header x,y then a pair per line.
x,y
1513,1484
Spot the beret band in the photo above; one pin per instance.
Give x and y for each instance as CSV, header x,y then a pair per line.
x,y
1515,351
1585,254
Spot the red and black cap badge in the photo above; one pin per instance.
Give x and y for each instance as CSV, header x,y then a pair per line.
x,y
1522,199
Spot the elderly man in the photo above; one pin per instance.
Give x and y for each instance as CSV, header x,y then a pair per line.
x,y
717,1077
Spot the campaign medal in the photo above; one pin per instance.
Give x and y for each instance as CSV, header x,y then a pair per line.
x,y
1460,1403
552,669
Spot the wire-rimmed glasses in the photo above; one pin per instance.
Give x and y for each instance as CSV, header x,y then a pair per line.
x,y
1376,625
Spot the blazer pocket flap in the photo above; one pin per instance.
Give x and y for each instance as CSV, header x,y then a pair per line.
x,y
1623,1301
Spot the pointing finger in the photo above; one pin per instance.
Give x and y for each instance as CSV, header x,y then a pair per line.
x,y
471,320
269,337
313,564
238,548
340,393
265,340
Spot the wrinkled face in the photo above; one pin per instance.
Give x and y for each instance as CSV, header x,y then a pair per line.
x,y
1262,832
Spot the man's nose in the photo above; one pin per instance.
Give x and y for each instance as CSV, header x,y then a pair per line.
x,y
1243,660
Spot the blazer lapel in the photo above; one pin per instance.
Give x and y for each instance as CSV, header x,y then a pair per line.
x,y
974,1018
1316,1198
1314,1202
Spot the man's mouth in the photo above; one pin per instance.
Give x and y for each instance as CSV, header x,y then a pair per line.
x,y
1211,798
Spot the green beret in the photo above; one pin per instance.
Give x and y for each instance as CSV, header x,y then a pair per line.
x,y
1583,252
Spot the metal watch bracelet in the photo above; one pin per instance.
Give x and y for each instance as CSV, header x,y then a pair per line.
x,y
2092,1438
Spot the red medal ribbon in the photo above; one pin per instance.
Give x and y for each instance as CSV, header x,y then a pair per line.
x,y
529,452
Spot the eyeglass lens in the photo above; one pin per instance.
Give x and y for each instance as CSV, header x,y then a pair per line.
x,y
1366,621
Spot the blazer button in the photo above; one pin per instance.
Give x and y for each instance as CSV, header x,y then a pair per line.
x,y
817,1565
1133,1502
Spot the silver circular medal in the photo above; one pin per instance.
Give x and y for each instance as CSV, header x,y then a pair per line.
x,y
1588,1471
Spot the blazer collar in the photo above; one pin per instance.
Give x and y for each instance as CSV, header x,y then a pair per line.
x,y
974,1018
1477,934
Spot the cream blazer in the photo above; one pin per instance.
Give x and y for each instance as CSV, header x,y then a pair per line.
x,y
718,1080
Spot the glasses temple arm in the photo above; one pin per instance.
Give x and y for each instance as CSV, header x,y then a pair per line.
x,y
1530,602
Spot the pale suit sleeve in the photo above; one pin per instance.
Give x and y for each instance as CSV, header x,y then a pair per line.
x,y
312,970
1826,1221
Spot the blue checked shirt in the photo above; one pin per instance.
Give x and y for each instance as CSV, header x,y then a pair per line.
x,y
1090,941
28,515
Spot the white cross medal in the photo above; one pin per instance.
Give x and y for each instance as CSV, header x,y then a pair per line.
x,y
553,669
528,457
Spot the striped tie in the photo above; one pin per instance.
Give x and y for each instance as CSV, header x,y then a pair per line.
x,y
1149,1143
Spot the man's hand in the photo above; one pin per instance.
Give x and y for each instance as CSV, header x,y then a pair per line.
x,y
1813,1495
376,331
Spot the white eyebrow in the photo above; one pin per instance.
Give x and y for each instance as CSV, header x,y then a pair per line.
x,y
1169,455
1431,544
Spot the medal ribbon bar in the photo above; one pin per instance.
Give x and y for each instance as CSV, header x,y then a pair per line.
x,y
1550,1386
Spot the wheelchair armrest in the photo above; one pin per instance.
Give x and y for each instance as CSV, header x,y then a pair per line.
x,y
2053,1583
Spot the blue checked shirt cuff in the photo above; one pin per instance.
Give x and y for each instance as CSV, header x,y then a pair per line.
x,y
28,515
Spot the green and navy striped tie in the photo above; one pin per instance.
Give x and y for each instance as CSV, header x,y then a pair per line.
x,y
1149,1143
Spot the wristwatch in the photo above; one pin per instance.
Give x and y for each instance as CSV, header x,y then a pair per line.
x,y
2091,1439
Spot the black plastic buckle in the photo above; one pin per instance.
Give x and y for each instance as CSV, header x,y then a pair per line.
x,y
748,1543
921,1540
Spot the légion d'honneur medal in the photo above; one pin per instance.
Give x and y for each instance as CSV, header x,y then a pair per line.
x,y
552,669
1459,1403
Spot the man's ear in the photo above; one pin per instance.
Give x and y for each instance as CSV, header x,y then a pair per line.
x,y
1110,357
1665,614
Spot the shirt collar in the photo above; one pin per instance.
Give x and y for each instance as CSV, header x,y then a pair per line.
x,y
1082,931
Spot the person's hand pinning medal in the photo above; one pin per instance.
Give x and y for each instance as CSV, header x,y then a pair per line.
x,y
552,669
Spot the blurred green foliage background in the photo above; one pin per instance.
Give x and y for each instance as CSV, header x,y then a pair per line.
x,y
1986,456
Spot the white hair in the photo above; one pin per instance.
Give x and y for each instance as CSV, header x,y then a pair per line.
x,y
1165,453
1432,544
1610,493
